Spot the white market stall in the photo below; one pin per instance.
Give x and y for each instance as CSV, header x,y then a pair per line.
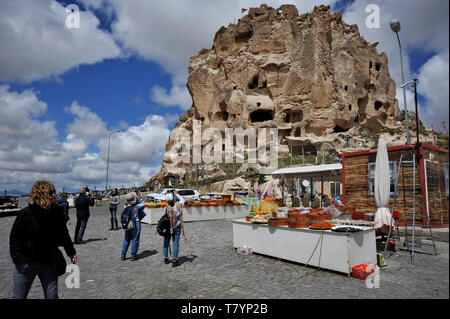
x,y
201,213
322,173
338,251
327,249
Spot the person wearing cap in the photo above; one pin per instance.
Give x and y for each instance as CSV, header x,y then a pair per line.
x,y
132,236
175,212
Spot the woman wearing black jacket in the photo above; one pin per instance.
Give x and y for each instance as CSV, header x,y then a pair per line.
x,y
36,233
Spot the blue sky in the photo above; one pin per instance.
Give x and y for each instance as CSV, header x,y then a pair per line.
x,y
119,90
126,68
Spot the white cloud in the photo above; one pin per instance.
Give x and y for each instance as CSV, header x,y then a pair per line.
x,y
434,86
26,143
30,150
144,144
178,95
35,42
87,124
122,125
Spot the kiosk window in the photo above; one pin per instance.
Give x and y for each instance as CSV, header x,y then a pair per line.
x,y
371,170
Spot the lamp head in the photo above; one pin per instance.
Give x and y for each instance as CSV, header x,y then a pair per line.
x,y
395,26
405,84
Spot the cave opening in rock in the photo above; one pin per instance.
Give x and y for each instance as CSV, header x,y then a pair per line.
x,y
346,88
221,116
261,116
254,84
377,66
370,65
349,107
378,105
244,36
338,129
264,84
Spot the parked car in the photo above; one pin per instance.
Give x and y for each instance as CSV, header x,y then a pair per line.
x,y
161,195
189,194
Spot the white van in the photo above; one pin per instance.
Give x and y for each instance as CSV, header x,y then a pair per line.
x,y
189,194
161,195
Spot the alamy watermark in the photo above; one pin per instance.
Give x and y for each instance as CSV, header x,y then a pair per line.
x,y
373,280
73,17
263,141
73,279
373,19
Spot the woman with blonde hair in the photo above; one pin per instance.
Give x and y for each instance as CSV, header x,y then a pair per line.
x,y
35,236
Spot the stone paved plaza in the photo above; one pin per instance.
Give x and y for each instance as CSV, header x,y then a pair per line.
x,y
211,268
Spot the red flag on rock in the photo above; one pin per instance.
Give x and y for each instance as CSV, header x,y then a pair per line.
x,y
243,10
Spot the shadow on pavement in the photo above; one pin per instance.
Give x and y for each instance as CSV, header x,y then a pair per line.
x,y
93,239
147,253
183,259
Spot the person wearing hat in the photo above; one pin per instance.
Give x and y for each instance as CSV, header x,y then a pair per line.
x,y
135,206
175,212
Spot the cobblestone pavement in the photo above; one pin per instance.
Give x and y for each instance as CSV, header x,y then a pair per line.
x,y
211,268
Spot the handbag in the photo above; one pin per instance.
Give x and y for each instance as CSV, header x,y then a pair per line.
x,y
58,262
131,225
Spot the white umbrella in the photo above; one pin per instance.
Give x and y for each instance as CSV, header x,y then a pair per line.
x,y
382,186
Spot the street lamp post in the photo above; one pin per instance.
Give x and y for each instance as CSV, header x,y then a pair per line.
x,y
413,83
395,26
107,163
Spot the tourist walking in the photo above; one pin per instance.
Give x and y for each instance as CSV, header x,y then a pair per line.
x,y
82,203
131,223
37,232
61,200
175,212
114,202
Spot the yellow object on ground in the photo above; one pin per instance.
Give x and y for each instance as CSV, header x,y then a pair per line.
x,y
268,206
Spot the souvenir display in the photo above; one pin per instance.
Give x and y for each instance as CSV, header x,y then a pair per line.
x,y
319,214
322,226
278,221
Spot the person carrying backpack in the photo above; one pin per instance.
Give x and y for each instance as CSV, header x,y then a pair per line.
x,y
175,212
61,200
131,223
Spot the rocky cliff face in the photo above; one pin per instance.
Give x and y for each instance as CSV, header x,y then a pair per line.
x,y
311,76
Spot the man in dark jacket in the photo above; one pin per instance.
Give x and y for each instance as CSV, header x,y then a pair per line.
x,y
82,203
61,200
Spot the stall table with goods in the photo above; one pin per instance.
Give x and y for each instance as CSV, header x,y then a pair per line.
x,y
315,237
202,210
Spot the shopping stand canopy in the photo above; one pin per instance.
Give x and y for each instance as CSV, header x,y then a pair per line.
x,y
309,171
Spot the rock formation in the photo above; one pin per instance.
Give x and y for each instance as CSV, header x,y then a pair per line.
x,y
311,76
